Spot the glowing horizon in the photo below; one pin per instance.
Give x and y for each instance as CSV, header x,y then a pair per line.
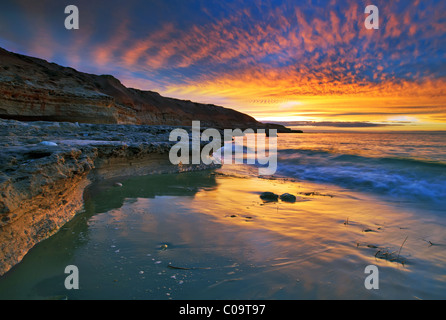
x,y
270,59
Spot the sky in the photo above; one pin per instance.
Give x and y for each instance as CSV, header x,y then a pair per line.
x,y
278,60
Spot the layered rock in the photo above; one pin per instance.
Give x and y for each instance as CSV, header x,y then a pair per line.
x,y
45,167
34,89
79,127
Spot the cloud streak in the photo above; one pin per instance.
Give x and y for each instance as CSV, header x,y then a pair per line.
x,y
261,55
338,124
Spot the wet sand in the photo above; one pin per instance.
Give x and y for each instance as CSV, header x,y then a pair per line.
x,y
208,235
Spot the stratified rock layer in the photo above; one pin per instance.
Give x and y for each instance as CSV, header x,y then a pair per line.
x,y
45,167
33,89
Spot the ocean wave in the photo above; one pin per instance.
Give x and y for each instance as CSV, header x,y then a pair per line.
x,y
335,155
397,176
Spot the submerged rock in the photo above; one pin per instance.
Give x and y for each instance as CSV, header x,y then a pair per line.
x,y
269,196
287,197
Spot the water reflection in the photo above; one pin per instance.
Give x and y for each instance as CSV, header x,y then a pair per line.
x,y
105,195
40,274
202,235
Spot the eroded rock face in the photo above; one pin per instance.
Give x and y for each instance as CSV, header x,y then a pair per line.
x,y
80,126
45,167
32,89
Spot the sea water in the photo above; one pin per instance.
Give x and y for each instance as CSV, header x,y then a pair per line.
x,y
406,165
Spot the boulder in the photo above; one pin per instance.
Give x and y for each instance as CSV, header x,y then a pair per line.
x,y
287,197
269,196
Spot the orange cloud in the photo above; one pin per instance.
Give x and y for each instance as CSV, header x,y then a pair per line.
x,y
282,60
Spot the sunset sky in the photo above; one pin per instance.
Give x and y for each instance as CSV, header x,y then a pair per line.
x,y
275,60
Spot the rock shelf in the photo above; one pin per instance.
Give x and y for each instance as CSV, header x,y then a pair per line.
x,y
45,167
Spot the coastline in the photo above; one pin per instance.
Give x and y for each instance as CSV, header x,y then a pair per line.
x,y
46,167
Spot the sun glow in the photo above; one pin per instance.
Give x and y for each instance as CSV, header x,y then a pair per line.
x,y
285,118
280,61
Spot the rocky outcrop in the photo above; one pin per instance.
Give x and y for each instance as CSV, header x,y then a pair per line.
x,y
79,127
34,89
45,167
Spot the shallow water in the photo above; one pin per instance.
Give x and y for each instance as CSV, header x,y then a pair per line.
x,y
400,165
204,235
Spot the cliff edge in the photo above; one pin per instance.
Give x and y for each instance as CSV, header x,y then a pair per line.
x,y
33,89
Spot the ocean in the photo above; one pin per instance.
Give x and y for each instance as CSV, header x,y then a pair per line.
x,y
401,165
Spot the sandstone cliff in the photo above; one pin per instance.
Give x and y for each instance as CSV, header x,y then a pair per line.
x,y
34,89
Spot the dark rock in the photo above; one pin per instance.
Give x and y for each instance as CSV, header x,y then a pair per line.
x,y
269,196
287,197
